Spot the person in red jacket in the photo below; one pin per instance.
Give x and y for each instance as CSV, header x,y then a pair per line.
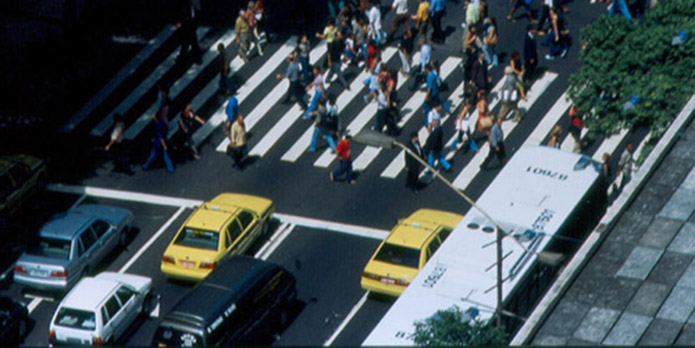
x,y
343,153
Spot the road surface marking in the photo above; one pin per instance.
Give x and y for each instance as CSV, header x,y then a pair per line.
x,y
548,121
347,319
141,89
366,232
116,81
152,239
245,90
281,238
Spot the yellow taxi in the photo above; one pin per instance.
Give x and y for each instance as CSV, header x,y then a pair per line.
x,y
405,251
227,225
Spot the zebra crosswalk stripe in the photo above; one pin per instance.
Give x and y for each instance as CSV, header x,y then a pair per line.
x,y
609,145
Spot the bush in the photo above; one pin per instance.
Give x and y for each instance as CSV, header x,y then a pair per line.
x,y
453,327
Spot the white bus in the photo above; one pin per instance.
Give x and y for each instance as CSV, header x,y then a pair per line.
x,y
543,197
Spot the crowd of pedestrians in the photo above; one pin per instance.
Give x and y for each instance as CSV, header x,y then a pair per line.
x,y
354,35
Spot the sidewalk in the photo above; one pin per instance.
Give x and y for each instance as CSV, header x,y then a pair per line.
x,y
639,285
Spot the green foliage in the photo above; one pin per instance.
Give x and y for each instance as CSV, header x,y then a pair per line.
x,y
450,328
622,58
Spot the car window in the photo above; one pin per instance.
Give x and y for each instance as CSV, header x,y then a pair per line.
x,y
5,185
234,230
88,239
104,316
434,245
100,227
76,318
444,233
19,174
227,239
80,248
245,218
124,294
52,248
399,255
197,238
112,306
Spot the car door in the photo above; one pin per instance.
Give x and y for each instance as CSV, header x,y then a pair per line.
x,y
106,239
233,233
250,227
7,192
89,245
111,330
433,245
20,176
129,306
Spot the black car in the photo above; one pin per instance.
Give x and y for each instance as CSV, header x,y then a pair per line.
x,y
14,321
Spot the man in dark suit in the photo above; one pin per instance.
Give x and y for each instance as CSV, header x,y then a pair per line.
x,y
530,52
479,75
412,165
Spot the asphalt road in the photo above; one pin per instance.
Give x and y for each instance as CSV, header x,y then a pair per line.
x,y
326,261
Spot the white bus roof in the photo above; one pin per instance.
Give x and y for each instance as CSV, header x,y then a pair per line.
x,y
530,198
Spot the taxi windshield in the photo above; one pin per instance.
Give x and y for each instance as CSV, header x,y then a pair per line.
x,y
197,238
398,255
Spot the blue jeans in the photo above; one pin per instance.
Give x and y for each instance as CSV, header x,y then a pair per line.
x,y
438,156
556,48
345,166
472,146
622,7
491,54
323,131
306,70
314,104
156,150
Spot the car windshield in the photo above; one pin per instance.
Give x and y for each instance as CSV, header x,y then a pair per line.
x,y
398,255
197,238
172,337
75,318
52,248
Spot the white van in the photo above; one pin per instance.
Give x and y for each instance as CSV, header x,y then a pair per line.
x,y
99,310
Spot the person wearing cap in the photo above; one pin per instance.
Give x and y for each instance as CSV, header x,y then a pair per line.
x,y
510,93
242,28
412,165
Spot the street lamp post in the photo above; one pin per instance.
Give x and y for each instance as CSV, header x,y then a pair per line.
x,y
373,138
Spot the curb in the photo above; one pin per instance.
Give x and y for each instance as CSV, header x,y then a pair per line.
x,y
613,213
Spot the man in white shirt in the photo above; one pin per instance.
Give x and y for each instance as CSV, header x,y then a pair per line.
x,y
374,16
400,18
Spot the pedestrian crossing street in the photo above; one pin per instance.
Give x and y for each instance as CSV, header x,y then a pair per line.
x,y
279,132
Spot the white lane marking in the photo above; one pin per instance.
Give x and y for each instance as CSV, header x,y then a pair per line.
x,y
363,118
280,230
347,319
155,312
178,87
411,107
344,99
140,90
548,121
473,167
361,231
244,91
33,304
78,201
281,238
210,89
294,113
274,96
354,230
124,195
116,81
609,145
152,239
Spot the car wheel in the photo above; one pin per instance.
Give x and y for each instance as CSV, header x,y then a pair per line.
x,y
123,237
266,228
21,329
147,305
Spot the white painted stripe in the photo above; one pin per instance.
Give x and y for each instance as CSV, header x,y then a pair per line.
x,y
140,90
178,87
116,81
354,230
244,91
361,231
273,97
342,101
413,105
33,304
295,112
609,145
346,321
568,143
280,230
368,112
78,201
152,240
281,238
124,195
473,167
548,121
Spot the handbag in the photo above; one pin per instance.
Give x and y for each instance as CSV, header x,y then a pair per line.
x,y
485,122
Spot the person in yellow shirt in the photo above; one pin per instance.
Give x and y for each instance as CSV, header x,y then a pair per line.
x,y
237,142
242,30
422,17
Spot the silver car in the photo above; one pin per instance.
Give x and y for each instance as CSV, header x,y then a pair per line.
x,y
71,244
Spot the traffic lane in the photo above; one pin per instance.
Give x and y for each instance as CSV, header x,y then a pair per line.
x,y
364,321
328,266
40,320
